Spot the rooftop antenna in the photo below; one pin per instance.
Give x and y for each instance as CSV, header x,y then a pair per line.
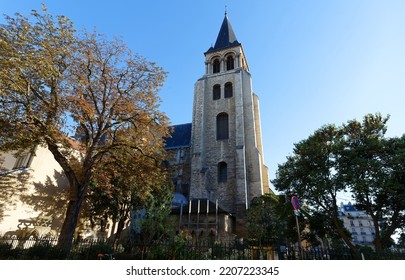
x,y
225,10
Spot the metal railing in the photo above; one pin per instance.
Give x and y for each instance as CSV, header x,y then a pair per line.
x,y
102,249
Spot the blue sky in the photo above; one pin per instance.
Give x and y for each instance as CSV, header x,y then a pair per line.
x,y
312,62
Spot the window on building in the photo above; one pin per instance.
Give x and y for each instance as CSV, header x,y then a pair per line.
x,y
216,92
222,172
230,64
222,126
216,66
228,90
22,161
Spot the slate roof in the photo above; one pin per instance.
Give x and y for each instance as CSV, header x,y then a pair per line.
x,y
226,37
349,207
180,137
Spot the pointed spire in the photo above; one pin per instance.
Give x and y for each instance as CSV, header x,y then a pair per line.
x,y
226,37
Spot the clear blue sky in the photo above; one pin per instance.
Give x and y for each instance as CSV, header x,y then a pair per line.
x,y
312,62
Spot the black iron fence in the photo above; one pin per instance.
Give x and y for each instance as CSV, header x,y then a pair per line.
x,y
93,249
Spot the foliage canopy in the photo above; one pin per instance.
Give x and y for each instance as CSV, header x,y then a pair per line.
x,y
356,158
55,81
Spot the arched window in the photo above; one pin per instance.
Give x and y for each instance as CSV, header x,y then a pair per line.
x,y
222,172
230,63
228,90
215,66
216,92
222,126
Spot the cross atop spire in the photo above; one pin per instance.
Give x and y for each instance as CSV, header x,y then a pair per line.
x,y
226,37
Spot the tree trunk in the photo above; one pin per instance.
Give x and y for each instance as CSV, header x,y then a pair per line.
x,y
120,228
76,197
378,244
67,232
346,239
121,223
381,239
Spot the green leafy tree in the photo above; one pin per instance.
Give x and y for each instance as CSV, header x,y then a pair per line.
x,y
157,228
313,174
374,169
271,221
118,190
354,158
322,232
54,80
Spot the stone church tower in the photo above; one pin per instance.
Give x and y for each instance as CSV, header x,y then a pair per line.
x,y
226,144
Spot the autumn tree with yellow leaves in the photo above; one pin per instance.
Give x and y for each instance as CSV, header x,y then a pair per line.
x,y
56,81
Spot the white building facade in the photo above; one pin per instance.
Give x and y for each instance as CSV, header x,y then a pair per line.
x,y
35,187
359,224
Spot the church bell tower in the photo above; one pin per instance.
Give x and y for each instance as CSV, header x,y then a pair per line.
x,y
226,144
